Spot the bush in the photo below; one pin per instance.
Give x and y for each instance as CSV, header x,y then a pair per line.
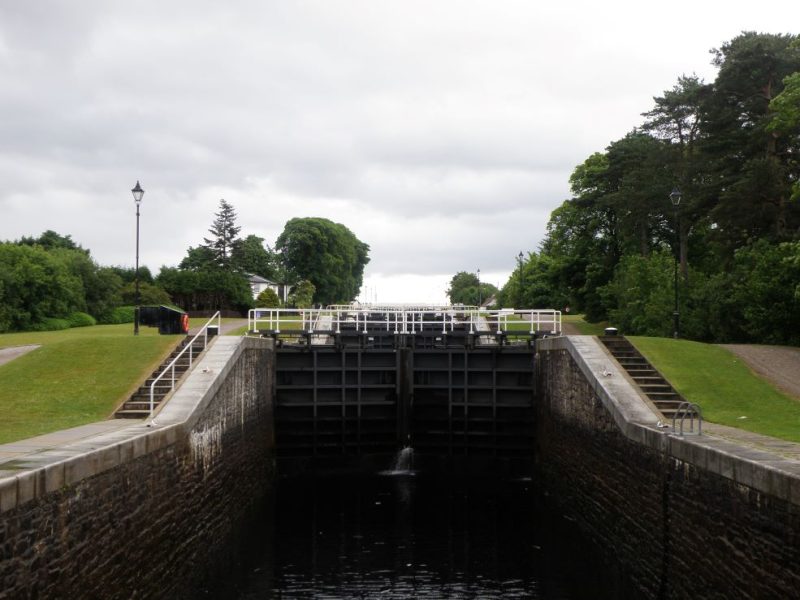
x,y
50,324
81,319
268,299
117,316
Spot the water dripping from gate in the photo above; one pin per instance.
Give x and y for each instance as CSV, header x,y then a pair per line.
x,y
403,463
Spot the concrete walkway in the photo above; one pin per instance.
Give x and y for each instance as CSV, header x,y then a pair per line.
x,y
14,454
12,352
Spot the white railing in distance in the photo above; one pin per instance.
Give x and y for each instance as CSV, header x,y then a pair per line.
x,y
403,320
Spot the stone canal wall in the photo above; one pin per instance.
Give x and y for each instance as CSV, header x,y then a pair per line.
x,y
146,511
681,517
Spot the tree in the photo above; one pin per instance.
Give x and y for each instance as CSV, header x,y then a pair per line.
x,y
675,118
35,285
200,258
225,234
149,294
465,288
327,254
206,290
750,166
302,295
50,240
251,255
128,274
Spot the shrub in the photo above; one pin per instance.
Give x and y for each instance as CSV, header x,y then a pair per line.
x,y
268,299
81,319
50,324
118,315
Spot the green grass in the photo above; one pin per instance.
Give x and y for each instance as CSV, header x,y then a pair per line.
x,y
584,326
724,387
77,376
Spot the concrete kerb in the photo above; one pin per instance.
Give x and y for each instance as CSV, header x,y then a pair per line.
x,y
53,468
756,469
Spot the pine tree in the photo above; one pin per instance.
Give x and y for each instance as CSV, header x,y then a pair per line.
x,y
225,234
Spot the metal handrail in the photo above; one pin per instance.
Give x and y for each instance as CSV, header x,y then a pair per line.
x,y
688,410
402,321
190,347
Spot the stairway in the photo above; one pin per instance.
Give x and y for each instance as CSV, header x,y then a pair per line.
x,y
138,405
649,381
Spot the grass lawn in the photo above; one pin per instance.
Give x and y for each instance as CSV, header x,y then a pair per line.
x,y
77,376
584,326
723,386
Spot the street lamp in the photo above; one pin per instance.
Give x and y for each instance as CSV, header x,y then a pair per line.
x,y
520,256
137,192
675,198
480,299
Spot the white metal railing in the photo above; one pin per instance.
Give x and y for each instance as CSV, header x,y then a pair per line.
x,y
402,321
170,368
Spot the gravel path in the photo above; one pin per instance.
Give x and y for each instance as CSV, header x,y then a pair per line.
x,y
778,364
9,354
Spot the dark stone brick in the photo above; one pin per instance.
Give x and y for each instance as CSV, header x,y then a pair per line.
x,y
675,530
158,526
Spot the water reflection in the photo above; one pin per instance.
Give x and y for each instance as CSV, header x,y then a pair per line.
x,y
418,536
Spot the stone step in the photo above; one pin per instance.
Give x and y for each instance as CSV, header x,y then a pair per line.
x,y
132,414
649,388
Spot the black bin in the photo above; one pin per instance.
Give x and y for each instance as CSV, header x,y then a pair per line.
x,y
170,321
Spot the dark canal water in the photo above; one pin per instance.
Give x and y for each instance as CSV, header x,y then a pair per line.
x,y
420,536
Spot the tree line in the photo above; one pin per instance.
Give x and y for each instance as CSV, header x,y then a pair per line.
x,y
731,148
51,282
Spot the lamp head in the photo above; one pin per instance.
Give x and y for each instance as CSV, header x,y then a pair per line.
x,y
137,192
675,196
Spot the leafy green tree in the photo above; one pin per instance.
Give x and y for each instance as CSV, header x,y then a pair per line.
x,y
785,121
750,168
206,290
200,258
149,294
35,285
327,254
252,256
50,240
464,289
302,294
128,274
100,285
225,235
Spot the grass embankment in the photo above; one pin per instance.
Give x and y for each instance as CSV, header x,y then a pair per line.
x,y
77,376
728,392
584,326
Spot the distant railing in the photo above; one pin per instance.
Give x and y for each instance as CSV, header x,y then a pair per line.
x,y
170,368
403,321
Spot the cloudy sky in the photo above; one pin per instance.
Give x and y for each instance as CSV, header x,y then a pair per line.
x,y
442,133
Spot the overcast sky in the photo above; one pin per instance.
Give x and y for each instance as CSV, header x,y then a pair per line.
x,y
441,133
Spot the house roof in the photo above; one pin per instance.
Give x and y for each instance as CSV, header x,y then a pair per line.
x,y
258,279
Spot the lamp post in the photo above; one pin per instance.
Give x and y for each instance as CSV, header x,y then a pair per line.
x,y
675,198
480,299
520,256
137,192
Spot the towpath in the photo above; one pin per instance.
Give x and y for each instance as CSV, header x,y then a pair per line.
x,y
779,365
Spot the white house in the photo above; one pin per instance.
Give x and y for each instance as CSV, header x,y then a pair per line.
x,y
258,284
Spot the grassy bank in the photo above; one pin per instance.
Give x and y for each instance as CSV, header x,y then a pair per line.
x,y
77,376
725,388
